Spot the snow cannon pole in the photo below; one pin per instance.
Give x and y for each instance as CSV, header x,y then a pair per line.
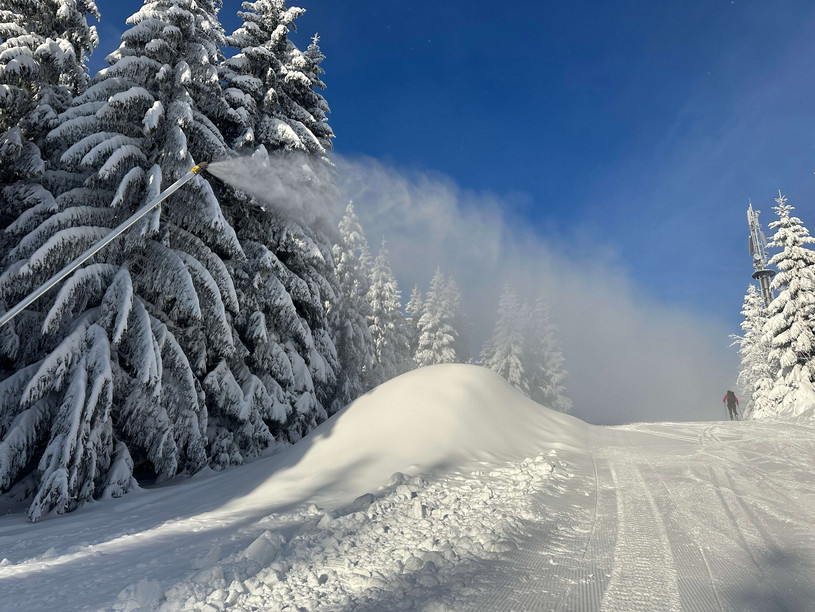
x,y
71,267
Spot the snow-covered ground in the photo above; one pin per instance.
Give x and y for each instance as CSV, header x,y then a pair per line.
x,y
444,489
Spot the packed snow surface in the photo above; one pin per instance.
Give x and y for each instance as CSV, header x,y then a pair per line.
x,y
444,489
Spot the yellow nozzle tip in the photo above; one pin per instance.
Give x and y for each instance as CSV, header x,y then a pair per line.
x,y
197,169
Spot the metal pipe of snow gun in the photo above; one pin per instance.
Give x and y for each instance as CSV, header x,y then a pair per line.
x,y
125,225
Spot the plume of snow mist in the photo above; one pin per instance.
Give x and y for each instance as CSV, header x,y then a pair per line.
x,y
289,184
629,356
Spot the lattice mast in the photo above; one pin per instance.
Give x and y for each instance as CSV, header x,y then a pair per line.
x,y
758,250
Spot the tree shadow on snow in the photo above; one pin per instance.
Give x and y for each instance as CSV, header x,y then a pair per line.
x,y
787,584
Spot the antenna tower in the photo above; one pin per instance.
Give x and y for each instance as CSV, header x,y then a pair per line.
x,y
758,250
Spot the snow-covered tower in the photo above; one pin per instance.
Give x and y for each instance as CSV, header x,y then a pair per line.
x,y
758,249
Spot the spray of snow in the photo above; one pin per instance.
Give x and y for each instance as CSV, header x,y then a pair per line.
x,y
289,184
615,336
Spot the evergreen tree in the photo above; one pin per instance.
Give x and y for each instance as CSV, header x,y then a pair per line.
x,y
755,378
414,313
790,328
255,79
353,337
391,348
287,279
42,67
438,337
545,370
153,314
505,350
458,320
303,103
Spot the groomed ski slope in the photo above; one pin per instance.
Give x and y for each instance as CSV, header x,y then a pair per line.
x,y
444,489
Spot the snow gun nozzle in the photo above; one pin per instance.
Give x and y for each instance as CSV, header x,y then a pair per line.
x,y
199,168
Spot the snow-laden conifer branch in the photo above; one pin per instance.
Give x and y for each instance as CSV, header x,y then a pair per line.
x,y
84,286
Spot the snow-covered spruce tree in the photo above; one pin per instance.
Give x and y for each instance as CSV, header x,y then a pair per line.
x,y
458,319
255,79
414,313
286,287
353,337
755,380
391,348
303,102
438,337
44,46
154,310
306,253
42,61
790,328
545,360
287,280
505,350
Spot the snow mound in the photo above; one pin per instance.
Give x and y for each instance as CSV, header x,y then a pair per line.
x,y
430,420
445,414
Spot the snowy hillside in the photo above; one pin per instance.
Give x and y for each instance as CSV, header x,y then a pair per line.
x,y
445,489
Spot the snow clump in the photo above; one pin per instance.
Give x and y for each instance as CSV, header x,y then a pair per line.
x,y
411,540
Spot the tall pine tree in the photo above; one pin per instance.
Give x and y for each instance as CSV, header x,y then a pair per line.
x,y
353,337
458,320
413,309
791,316
438,336
546,373
505,350
755,379
287,279
391,347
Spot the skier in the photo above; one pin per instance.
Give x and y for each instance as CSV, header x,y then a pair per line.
x,y
732,403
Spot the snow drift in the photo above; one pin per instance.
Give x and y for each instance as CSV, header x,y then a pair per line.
x,y
429,420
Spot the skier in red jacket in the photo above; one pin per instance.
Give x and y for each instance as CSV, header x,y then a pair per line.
x,y
732,403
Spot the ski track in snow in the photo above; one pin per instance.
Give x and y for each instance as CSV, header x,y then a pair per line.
x,y
693,516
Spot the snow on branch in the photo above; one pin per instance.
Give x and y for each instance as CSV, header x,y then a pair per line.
x,y
169,280
125,156
83,286
131,182
216,324
193,245
74,218
62,248
78,150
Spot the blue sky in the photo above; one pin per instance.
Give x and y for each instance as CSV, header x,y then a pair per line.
x,y
628,135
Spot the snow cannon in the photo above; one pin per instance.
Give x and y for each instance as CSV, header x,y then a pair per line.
x,y
124,226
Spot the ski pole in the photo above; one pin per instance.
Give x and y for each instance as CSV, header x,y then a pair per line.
x,y
71,267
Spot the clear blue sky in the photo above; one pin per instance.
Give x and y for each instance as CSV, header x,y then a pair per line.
x,y
642,125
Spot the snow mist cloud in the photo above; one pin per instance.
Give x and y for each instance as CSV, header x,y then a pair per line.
x,y
629,357
293,185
